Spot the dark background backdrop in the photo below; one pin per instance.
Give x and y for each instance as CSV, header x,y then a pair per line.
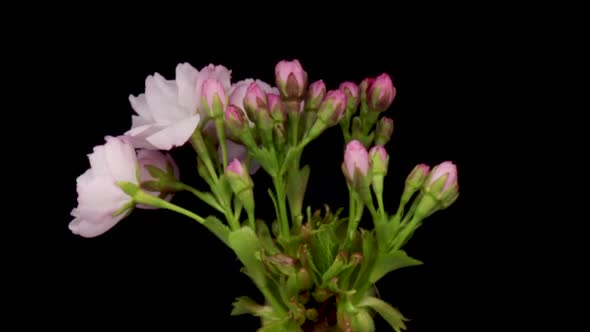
x,y
159,269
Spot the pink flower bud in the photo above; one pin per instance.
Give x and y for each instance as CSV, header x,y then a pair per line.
x,y
291,79
278,109
445,168
364,86
316,94
352,96
255,98
383,131
350,88
332,108
379,152
234,118
214,97
235,167
381,93
356,160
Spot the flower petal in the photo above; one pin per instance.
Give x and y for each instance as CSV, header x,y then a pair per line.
x,y
186,78
162,100
100,199
87,229
121,159
175,134
139,104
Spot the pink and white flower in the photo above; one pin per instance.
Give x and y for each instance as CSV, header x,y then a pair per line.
x,y
356,161
101,202
170,110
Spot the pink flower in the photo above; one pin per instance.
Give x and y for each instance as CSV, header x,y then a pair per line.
x,y
350,88
240,152
445,168
237,93
101,202
278,109
234,118
235,166
381,93
213,88
170,110
316,94
333,107
290,78
255,100
163,162
378,151
356,160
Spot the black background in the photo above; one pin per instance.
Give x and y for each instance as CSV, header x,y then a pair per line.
x,y
159,269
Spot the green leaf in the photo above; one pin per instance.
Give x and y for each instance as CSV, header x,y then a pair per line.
x,y
285,325
247,246
266,240
388,262
369,255
218,228
335,269
224,188
296,186
385,231
389,313
274,201
267,160
323,247
245,305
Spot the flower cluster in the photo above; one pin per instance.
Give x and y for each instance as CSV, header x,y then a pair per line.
x,y
316,271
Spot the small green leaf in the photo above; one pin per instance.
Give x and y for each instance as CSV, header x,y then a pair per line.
x,y
335,269
245,305
285,325
218,228
389,262
247,246
369,253
323,247
224,188
389,313
265,238
296,186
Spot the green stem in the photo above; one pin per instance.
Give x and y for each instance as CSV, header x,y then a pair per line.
x,y
142,197
351,217
199,145
381,206
219,125
293,128
410,212
201,195
405,233
282,216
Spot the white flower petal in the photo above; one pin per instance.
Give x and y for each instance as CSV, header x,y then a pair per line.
x,y
99,199
138,121
186,78
175,134
139,104
121,159
98,162
162,103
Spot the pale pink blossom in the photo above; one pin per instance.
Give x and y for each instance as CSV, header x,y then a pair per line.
x,y
101,202
440,170
356,157
170,110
